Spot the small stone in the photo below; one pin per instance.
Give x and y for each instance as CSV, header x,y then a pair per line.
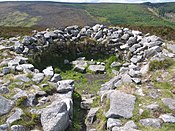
x,y
56,78
5,70
91,115
4,127
48,71
168,118
38,77
154,122
18,128
97,68
112,123
169,102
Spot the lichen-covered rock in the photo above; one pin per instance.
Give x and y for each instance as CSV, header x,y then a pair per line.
x,y
121,105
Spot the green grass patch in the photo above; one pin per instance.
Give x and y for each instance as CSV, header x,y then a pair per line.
x,y
164,64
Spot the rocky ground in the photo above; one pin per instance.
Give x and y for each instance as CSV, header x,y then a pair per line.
x,y
131,88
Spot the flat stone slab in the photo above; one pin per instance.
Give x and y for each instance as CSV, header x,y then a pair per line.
x,y
97,68
121,105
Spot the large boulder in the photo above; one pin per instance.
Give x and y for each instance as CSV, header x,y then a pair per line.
x,y
5,105
121,105
55,117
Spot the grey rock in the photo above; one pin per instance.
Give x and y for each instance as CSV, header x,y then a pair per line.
x,y
110,84
86,103
4,127
65,86
125,37
152,51
4,90
27,66
136,59
91,115
169,102
121,105
136,80
98,35
123,129
171,47
18,128
154,122
15,116
56,78
112,123
152,107
5,70
126,78
55,117
38,77
48,71
5,105
131,41
115,64
21,93
80,68
168,118
22,78
130,124
97,68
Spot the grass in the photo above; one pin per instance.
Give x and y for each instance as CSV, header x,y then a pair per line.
x,y
78,114
28,120
18,18
163,64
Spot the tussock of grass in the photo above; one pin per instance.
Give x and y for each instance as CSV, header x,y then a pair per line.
x,y
164,64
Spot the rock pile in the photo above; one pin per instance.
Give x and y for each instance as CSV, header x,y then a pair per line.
x,y
50,98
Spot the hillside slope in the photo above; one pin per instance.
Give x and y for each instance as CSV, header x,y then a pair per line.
x,y
53,14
